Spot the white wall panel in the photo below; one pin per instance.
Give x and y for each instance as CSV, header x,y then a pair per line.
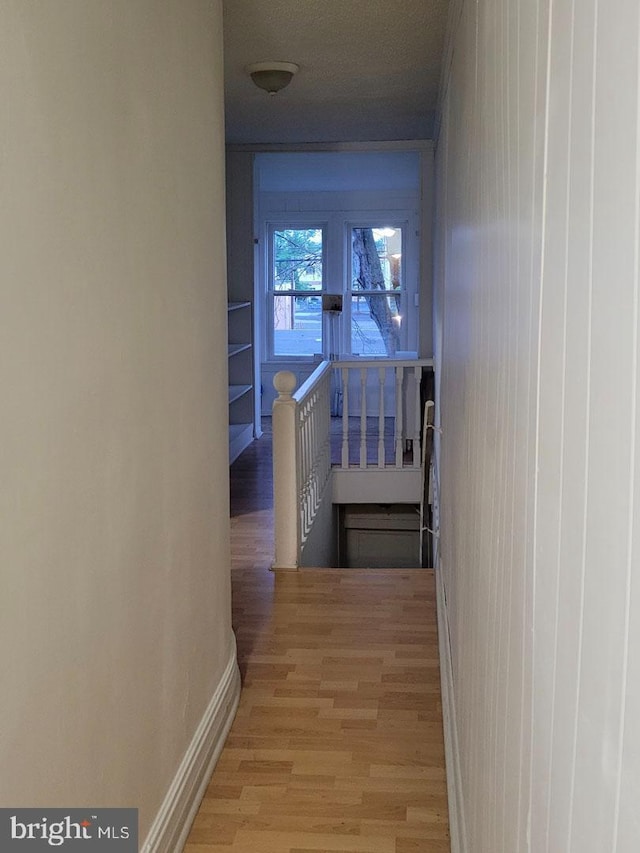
x,y
536,329
611,427
115,631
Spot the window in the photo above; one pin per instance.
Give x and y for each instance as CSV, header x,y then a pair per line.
x,y
296,284
369,262
376,291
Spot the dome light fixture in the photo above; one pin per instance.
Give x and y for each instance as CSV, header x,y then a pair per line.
x,y
272,76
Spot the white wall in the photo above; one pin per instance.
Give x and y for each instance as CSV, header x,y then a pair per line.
x,y
537,324
115,626
338,171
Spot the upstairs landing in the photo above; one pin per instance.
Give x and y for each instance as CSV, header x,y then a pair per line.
x,y
337,744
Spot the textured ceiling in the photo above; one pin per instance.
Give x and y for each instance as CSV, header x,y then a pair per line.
x,y
369,69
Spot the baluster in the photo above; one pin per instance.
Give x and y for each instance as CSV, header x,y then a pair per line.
x,y
398,424
314,453
310,449
381,377
326,423
345,417
304,469
363,417
312,458
307,465
417,376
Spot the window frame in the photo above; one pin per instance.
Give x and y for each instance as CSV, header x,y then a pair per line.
x,y
290,224
388,220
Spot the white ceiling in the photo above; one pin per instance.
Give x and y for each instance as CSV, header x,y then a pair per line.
x,y
369,69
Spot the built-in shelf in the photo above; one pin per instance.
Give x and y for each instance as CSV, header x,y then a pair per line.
x,y
237,391
240,436
237,431
240,360
234,349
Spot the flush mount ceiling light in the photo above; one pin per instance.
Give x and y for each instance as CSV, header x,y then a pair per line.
x,y
272,76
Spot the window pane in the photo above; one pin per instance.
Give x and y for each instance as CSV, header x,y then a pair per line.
x,y
297,259
376,325
297,325
376,258
376,266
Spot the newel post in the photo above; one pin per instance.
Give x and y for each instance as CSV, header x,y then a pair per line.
x,y
286,506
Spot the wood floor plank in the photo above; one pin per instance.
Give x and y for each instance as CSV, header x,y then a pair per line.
x,y
337,744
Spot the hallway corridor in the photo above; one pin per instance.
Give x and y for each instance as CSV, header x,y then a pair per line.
x,y
337,744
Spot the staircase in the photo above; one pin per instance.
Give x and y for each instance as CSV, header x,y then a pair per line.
x,y
375,410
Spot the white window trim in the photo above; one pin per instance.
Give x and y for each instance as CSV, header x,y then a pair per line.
x,y
408,285
336,226
293,222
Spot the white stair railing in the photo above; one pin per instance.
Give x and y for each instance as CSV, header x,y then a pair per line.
x,y
301,459
372,391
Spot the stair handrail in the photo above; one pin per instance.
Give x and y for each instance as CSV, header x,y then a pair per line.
x,y
301,459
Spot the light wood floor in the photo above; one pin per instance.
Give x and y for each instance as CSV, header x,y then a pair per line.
x,y
337,744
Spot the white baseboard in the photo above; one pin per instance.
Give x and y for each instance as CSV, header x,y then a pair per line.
x,y
170,828
457,824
